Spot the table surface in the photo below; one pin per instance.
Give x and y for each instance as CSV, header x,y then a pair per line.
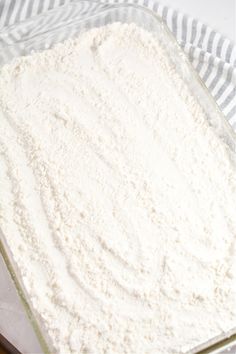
x,y
14,324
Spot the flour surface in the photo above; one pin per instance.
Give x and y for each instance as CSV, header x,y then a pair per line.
x,y
117,198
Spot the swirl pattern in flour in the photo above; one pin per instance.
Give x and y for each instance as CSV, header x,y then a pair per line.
x,y
117,198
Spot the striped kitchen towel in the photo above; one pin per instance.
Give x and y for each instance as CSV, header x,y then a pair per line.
x,y
212,55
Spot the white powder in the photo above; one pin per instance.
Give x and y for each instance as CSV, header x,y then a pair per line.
x,y
117,198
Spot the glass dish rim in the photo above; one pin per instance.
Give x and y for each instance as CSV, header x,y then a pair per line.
x,y
211,345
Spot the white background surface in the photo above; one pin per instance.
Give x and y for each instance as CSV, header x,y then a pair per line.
x,y
221,16
218,14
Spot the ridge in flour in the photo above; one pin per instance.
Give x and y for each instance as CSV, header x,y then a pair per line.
x,y
117,198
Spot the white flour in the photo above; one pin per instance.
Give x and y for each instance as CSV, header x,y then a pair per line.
x,y
117,199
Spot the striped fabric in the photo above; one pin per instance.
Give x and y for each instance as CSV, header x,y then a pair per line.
x,y
213,56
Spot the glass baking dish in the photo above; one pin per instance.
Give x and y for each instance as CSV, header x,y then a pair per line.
x,y
56,25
